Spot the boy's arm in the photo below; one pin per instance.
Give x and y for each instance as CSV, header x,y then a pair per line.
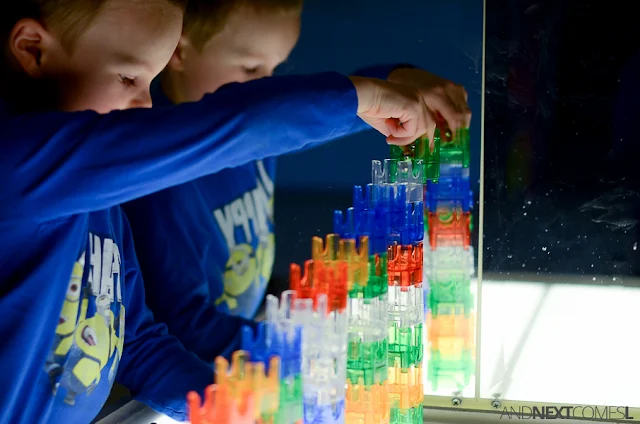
x,y
174,251
57,164
155,367
380,72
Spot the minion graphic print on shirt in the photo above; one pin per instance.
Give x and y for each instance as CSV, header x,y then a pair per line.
x,y
246,224
89,337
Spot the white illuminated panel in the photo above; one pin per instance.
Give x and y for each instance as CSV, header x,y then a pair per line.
x,y
561,343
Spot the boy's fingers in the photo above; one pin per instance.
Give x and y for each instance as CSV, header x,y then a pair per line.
x,y
401,130
460,98
431,130
450,111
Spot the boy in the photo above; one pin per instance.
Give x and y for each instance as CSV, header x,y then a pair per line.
x,y
74,316
206,247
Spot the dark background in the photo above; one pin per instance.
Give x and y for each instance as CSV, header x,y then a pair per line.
x,y
561,147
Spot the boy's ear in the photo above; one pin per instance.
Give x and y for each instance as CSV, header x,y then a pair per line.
x,y
30,43
176,62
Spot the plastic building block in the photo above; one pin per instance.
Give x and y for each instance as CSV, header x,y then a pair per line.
x,y
367,349
448,270
457,150
405,390
271,339
412,415
449,228
280,336
316,412
338,250
319,279
324,358
452,349
454,170
378,284
220,408
283,335
424,151
461,307
409,227
451,334
449,192
367,404
319,306
450,291
404,265
400,201
451,326
372,223
393,199
449,259
405,345
290,410
245,376
406,307
454,374
463,303
383,210
402,173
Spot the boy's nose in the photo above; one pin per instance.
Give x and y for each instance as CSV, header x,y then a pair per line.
x,y
261,74
142,100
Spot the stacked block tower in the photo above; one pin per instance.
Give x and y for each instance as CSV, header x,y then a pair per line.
x,y
242,378
220,407
449,262
345,343
401,185
280,335
320,307
367,397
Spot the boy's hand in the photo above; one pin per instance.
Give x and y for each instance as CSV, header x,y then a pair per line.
x,y
396,111
445,99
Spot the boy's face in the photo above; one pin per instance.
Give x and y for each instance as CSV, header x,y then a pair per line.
x,y
114,61
250,46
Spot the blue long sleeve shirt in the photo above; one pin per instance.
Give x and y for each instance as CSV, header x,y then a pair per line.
x,y
70,286
207,247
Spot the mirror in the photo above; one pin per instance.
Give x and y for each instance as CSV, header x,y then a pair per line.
x,y
560,255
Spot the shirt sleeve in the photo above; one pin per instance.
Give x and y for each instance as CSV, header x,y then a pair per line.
x,y
59,163
155,367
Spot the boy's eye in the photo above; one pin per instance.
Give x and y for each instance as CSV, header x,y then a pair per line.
x,y
251,71
126,80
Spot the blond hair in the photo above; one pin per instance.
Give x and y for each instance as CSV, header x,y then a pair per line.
x,y
67,18
205,18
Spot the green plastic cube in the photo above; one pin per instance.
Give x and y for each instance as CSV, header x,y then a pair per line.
x,y
405,345
457,150
367,362
420,150
450,373
290,410
407,416
378,282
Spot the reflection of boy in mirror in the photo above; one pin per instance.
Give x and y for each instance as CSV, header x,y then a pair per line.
x,y
220,228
